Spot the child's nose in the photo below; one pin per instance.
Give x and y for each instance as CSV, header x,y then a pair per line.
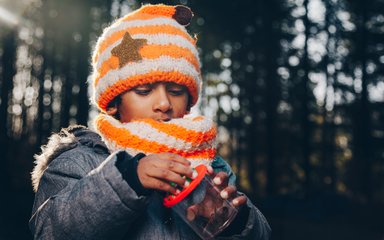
x,y
162,102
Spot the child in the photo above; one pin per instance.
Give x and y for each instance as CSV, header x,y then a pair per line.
x,y
109,184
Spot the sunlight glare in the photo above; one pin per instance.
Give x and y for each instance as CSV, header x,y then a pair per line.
x,y
8,17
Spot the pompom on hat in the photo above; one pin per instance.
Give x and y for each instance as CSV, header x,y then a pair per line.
x,y
148,45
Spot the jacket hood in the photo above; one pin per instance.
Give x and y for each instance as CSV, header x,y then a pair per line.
x,y
58,143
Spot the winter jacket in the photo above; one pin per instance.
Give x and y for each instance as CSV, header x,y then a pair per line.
x,y
80,194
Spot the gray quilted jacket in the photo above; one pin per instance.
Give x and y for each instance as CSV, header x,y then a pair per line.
x,y
80,194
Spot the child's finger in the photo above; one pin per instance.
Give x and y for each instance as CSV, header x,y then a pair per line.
x,y
160,185
175,167
192,212
174,157
241,200
221,179
167,176
229,192
210,170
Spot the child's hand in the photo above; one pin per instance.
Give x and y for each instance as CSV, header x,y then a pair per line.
x,y
156,171
209,205
228,191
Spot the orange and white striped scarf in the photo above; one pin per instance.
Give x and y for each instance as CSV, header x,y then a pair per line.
x,y
191,138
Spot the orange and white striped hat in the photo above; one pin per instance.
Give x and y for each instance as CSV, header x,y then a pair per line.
x,y
191,138
148,45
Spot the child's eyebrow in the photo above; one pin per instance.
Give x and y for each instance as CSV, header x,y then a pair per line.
x,y
171,84
145,85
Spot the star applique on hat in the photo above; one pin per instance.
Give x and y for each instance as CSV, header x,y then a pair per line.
x,y
128,50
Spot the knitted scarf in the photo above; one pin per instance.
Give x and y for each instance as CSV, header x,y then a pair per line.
x,y
191,138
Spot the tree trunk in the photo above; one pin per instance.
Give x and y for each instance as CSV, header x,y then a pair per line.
x,y
362,125
8,71
305,110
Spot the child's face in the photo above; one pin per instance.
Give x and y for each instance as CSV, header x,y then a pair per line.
x,y
160,101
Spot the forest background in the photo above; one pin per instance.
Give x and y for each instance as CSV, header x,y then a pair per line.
x,y
296,86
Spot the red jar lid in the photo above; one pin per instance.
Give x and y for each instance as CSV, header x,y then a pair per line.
x,y
171,200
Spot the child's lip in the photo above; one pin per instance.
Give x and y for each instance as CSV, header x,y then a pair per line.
x,y
163,119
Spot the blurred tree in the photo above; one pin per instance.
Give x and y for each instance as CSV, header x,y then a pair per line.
x,y
7,70
296,86
367,59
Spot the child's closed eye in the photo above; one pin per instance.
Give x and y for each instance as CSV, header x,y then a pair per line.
x,y
176,92
176,89
142,90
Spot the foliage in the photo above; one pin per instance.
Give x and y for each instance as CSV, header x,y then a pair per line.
x,y
296,86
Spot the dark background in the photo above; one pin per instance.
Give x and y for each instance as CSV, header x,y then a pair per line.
x,y
296,86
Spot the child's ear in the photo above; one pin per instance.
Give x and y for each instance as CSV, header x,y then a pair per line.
x,y
188,110
189,105
112,110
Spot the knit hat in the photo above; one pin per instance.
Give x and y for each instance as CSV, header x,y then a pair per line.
x,y
191,138
148,45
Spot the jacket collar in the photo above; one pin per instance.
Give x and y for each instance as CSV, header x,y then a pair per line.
x,y
66,139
